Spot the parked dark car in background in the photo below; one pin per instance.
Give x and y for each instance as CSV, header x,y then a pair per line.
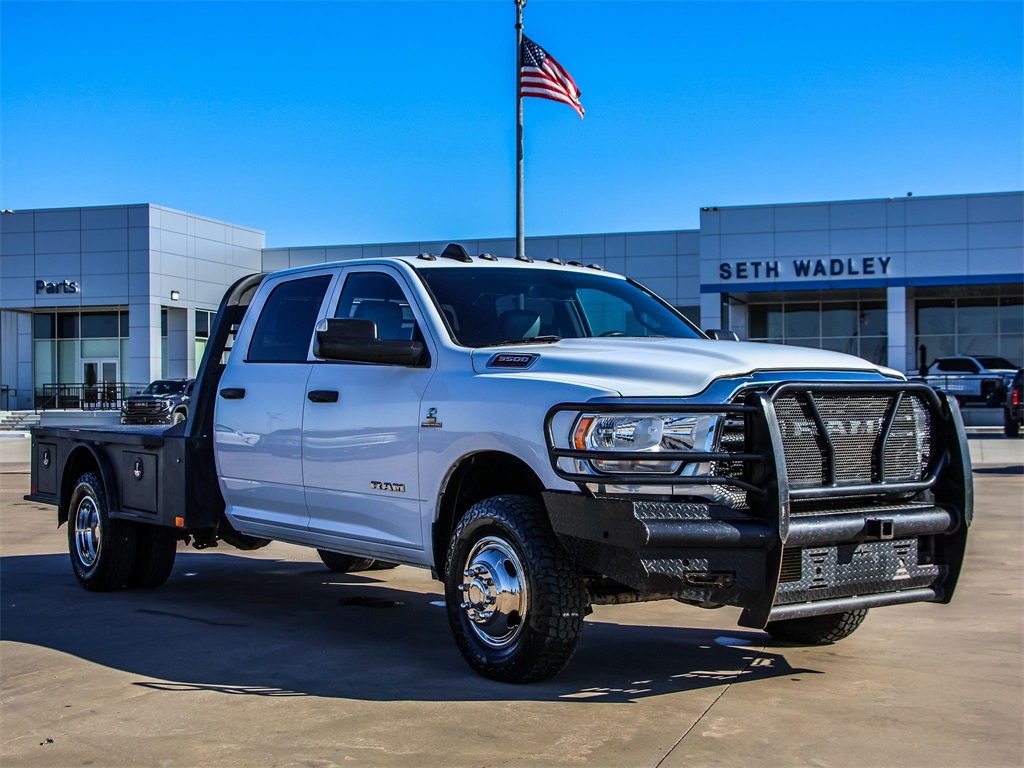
x,y
972,379
165,401
1013,406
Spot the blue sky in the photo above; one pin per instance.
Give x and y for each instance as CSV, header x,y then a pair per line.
x,y
348,122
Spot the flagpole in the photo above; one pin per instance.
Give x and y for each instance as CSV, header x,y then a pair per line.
x,y
520,197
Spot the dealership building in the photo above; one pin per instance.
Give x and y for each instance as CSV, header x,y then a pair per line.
x,y
102,298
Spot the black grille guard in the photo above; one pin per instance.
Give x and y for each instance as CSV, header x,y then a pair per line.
x,y
946,485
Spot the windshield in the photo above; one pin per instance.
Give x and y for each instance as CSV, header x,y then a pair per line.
x,y
995,363
499,305
164,388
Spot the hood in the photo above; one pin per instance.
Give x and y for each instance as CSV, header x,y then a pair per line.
x,y
665,367
149,398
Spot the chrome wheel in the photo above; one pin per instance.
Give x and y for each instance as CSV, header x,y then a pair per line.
x,y
88,537
494,592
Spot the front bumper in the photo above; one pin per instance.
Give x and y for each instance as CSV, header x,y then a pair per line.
x,y
834,555
148,419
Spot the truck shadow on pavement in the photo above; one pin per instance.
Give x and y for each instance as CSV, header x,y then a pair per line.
x,y
260,627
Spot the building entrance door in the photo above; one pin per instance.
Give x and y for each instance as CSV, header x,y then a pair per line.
x,y
99,379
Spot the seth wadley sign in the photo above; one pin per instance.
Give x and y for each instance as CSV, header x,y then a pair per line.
x,y
860,266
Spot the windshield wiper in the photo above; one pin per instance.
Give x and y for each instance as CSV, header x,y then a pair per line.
x,y
531,340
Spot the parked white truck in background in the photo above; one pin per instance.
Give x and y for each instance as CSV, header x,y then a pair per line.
x,y
543,437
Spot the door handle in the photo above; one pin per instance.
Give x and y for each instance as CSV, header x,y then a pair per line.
x,y
322,395
233,393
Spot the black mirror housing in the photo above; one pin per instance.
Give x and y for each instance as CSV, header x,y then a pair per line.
x,y
722,334
355,340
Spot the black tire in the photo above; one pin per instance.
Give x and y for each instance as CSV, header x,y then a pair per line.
x,y
1011,427
102,550
817,630
382,565
537,592
344,563
157,547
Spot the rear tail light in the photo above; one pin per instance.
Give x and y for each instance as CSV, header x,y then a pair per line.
x,y
1016,396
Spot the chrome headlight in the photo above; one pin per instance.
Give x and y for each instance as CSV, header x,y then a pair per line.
x,y
642,432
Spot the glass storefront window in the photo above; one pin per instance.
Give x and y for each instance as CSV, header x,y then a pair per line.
x,y
875,349
814,342
856,327
935,346
839,319
1011,314
64,342
974,316
1011,346
67,325
202,324
847,346
982,323
802,320
100,325
765,321
44,326
938,316
873,319
101,348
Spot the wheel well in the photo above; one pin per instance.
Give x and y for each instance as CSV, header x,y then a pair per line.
x,y
79,462
477,477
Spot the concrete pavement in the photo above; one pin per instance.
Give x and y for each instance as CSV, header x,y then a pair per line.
x,y
269,658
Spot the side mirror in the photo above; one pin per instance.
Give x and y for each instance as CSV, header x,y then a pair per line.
x,y
722,334
356,341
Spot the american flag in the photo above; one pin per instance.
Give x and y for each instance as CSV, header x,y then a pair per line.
x,y
544,77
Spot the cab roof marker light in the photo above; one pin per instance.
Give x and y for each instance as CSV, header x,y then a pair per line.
x,y
488,257
555,261
575,263
456,252
598,267
427,257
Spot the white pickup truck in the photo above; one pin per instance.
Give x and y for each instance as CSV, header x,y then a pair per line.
x,y
543,437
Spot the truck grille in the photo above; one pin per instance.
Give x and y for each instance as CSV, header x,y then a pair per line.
x,y
854,439
143,409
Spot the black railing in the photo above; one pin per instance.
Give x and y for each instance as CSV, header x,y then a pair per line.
x,y
6,393
99,397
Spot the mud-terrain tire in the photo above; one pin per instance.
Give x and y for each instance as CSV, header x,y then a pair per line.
x,y
515,599
102,550
157,548
817,630
340,563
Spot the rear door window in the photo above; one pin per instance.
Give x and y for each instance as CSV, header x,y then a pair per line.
x,y
284,330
